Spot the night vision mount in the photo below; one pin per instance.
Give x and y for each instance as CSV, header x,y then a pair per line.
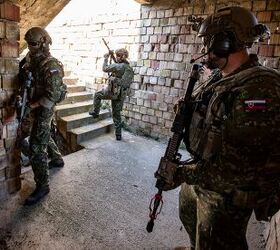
x,y
196,22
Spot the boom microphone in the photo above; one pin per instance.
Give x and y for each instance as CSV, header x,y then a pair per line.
x,y
194,59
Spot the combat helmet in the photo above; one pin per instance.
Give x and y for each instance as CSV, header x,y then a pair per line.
x,y
37,36
123,53
230,29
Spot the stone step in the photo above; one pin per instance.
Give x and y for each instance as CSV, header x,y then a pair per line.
x,y
70,80
78,120
73,108
78,135
77,97
76,88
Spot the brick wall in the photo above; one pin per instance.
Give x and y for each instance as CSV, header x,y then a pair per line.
x,y
161,44
9,52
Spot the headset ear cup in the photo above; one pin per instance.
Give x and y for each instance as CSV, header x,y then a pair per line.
x,y
222,45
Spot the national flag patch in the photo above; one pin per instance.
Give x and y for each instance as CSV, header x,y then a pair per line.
x,y
255,105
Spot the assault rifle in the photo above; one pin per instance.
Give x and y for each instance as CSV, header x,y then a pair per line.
x,y
171,158
110,51
21,102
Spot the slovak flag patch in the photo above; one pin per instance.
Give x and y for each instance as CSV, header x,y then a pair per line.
x,y
255,105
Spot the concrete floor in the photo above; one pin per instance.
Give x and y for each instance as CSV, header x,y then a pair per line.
x,y
99,200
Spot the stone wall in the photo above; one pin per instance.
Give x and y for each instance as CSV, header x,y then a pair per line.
x,y
9,52
161,44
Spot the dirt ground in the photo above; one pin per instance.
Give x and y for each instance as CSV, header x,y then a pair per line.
x,y
99,200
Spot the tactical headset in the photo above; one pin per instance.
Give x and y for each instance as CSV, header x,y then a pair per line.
x,y
223,44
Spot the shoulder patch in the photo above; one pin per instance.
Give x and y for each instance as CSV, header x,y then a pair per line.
x,y
253,105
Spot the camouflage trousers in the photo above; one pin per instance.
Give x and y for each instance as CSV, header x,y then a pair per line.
x,y
117,106
41,144
211,221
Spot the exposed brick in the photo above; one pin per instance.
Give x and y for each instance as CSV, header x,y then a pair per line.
x,y
168,99
264,16
165,73
12,31
160,13
145,39
175,74
143,110
172,21
198,9
182,48
188,10
275,39
9,11
246,4
158,113
9,81
169,13
150,112
179,12
154,39
164,22
155,22
168,124
259,5
147,22
145,118
2,30
162,38
14,184
147,103
9,49
209,8
275,16
9,66
160,56
2,66
155,64
158,30
152,14
144,14
153,119
273,5
277,51
266,50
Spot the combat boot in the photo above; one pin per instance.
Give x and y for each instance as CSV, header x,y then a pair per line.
x,y
118,137
56,163
93,114
37,195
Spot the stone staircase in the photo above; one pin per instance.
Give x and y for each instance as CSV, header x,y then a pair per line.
x,y
73,121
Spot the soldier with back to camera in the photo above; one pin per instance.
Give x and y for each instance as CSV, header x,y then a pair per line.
x,y
48,89
120,79
234,138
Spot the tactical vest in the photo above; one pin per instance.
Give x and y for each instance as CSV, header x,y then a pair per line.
x,y
219,120
42,73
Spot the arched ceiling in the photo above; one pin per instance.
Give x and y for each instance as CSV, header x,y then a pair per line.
x,y
37,13
41,12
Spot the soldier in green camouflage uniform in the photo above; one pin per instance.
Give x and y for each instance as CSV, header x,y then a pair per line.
x,y
48,89
234,138
121,76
